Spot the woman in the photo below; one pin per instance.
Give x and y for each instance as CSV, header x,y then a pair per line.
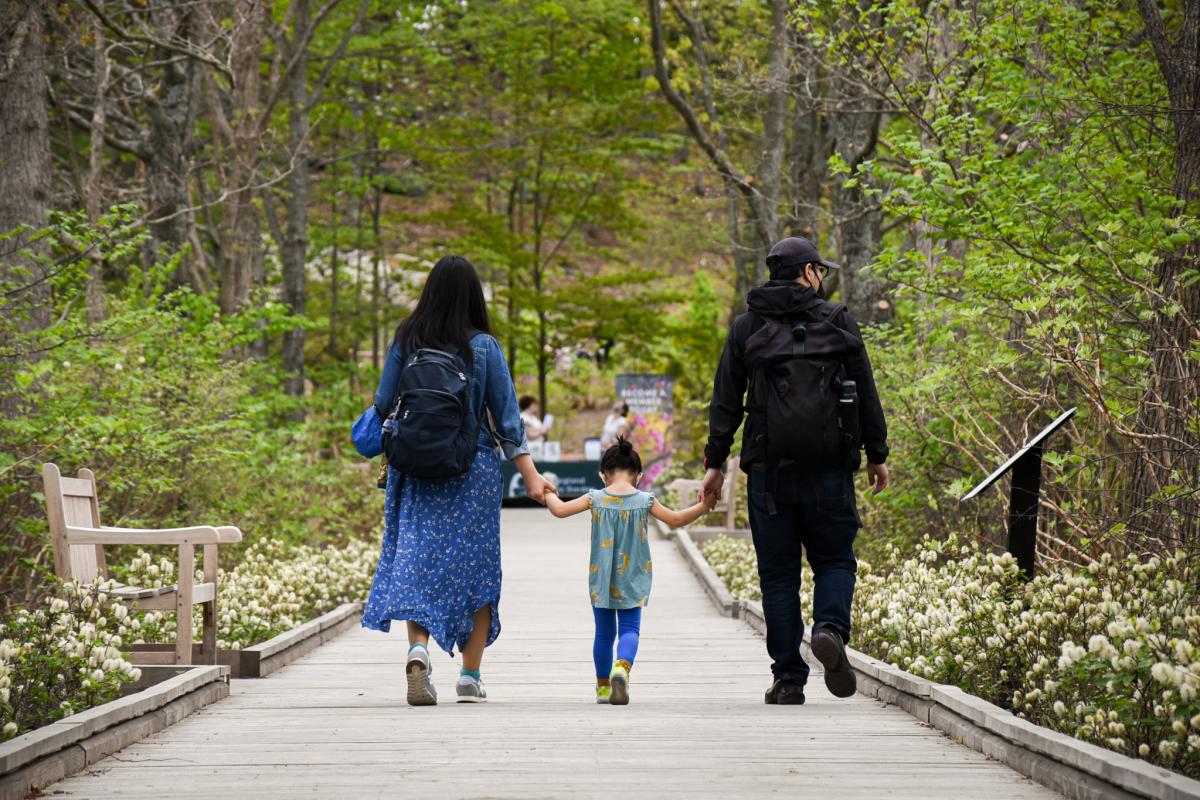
x,y
534,429
439,568
616,425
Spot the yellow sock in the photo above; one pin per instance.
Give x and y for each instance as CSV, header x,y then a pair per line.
x,y
625,664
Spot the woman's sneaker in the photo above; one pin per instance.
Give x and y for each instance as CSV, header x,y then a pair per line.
x,y
618,680
418,671
470,690
603,695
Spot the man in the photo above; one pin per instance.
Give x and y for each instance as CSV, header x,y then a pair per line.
x,y
797,353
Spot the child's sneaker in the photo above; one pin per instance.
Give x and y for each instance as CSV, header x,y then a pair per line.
x,y
418,671
618,679
603,695
470,690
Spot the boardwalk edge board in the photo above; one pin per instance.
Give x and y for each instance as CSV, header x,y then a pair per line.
x,y
1077,769
262,659
63,748
266,657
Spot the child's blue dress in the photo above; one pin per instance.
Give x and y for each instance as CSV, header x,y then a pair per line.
x,y
621,569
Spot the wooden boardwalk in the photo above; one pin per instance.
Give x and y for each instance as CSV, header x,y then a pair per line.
x,y
336,724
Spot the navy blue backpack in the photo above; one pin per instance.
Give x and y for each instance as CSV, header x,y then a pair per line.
x,y
432,430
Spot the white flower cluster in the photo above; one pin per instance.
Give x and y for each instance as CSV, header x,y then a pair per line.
x,y
62,657
273,589
735,563
733,560
1110,654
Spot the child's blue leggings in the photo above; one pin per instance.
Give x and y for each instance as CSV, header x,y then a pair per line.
x,y
608,622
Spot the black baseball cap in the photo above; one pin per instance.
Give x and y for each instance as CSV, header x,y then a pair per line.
x,y
795,251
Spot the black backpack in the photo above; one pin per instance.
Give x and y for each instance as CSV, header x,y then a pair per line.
x,y
432,431
806,408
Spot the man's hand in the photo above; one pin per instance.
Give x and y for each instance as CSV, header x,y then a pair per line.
x,y
710,489
877,477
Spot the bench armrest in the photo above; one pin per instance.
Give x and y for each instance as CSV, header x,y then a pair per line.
x,y
197,534
228,534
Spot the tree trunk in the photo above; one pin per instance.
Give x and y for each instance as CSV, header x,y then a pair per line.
x,y
743,256
810,160
859,219
93,198
25,185
774,148
377,346
335,217
242,224
172,115
295,250
1168,412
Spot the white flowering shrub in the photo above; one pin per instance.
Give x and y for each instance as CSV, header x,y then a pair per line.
x,y
1110,654
66,656
733,560
273,589
62,657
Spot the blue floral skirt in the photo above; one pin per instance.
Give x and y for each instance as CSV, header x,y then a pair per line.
x,y
440,560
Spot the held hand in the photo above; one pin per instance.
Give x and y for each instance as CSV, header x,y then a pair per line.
x,y
537,487
710,489
877,477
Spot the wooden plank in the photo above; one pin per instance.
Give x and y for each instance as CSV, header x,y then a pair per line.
x,y
89,477
336,724
27,780
49,739
52,486
77,487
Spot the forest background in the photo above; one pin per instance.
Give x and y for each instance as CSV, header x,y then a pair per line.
x,y
214,212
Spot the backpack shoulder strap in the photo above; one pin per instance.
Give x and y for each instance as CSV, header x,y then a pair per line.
x,y
828,310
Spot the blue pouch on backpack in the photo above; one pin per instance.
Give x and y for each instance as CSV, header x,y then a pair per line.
x,y
367,433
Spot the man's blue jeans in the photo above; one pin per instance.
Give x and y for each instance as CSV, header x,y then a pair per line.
x,y
816,512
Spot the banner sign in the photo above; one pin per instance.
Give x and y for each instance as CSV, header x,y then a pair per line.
x,y
651,413
571,478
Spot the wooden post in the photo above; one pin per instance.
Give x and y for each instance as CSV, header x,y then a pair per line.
x,y
101,565
58,522
183,604
208,649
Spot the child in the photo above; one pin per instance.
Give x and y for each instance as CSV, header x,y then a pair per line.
x,y
620,567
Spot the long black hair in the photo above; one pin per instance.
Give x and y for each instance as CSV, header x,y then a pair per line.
x,y
451,310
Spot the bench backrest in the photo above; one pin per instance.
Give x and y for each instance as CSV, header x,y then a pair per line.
x,y
73,501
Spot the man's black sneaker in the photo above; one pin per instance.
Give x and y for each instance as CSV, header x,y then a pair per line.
x,y
827,646
785,693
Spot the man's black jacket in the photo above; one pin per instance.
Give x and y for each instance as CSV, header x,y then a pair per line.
x,y
786,299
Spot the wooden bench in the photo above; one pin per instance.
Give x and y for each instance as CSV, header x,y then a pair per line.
x,y
687,490
73,509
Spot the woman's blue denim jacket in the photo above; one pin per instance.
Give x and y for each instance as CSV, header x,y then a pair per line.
x,y
491,391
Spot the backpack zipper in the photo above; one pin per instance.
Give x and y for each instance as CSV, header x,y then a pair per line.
x,y
400,401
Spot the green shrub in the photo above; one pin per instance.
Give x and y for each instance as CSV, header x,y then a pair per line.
x,y
172,406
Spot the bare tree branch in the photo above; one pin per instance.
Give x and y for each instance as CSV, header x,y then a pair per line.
x,y
202,57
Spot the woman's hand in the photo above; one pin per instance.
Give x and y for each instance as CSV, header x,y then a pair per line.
x,y
538,487
535,485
